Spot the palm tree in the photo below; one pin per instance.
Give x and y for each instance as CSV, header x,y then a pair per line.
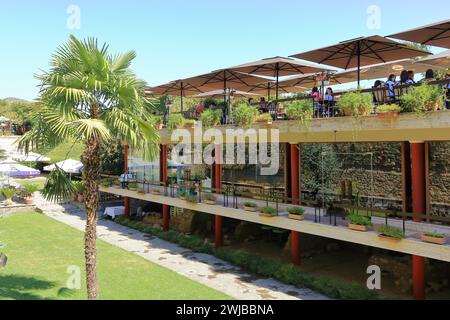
x,y
91,96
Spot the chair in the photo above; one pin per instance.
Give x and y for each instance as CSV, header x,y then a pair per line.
x,y
380,95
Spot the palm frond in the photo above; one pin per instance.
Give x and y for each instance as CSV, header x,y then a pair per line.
x,y
58,186
91,128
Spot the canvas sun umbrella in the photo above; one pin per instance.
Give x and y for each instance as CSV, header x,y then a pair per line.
x,y
69,166
278,67
270,86
222,93
30,157
14,169
179,88
361,52
225,79
436,34
437,61
309,81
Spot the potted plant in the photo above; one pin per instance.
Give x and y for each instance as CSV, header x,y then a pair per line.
x,y
29,189
106,183
390,233
157,122
175,121
141,190
388,111
156,192
268,212
189,124
358,222
244,115
182,195
250,206
301,110
422,99
132,186
8,193
211,118
79,188
434,237
209,198
356,104
264,118
296,213
117,184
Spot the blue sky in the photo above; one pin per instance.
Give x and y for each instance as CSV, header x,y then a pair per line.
x,y
177,39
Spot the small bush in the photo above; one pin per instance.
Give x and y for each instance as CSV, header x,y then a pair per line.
x,y
211,118
356,104
389,108
300,110
265,117
250,205
29,188
389,231
245,115
422,99
269,211
8,192
296,210
435,235
359,220
209,197
176,121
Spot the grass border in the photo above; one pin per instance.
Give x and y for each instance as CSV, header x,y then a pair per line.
x,y
284,272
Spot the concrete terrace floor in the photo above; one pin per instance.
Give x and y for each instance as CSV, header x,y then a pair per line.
x,y
202,268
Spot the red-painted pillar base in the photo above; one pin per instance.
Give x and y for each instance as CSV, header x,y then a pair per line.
x,y
218,230
418,177
295,248
163,178
418,270
166,217
126,203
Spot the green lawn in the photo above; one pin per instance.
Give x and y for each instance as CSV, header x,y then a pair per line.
x,y
66,150
40,250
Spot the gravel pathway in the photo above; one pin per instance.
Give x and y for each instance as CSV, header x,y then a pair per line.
x,y
205,269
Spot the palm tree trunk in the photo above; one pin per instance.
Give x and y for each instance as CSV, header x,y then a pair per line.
x,y
91,175
91,161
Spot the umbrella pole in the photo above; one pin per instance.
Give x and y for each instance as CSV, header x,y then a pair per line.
x,y
181,97
359,65
268,91
278,78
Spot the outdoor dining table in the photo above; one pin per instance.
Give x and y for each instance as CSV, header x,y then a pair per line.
x,y
113,212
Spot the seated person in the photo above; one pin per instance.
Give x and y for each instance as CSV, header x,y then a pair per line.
x,y
263,107
410,77
429,76
391,83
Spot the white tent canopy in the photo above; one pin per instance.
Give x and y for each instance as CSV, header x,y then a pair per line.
x,y
30,157
68,166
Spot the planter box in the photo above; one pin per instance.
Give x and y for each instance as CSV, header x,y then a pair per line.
x,y
299,217
357,227
141,191
388,115
156,192
268,122
434,240
132,189
210,202
390,239
117,186
250,209
182,198
266,215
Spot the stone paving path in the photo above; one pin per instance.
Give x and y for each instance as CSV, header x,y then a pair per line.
x,y
205,269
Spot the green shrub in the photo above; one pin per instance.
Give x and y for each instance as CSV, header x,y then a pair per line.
x,y
296,210
389,231
245,115
250,205
300,110
78,186
389,108
423,98
265,117
435,235
269,211
8,192
29,188
356,104
209,197
211,118
359,220
156,120
175,121
132,185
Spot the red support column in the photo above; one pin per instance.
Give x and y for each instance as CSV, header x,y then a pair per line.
x,y
418,207
295,195
163,173
295,248
126,200
218,185
295,173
